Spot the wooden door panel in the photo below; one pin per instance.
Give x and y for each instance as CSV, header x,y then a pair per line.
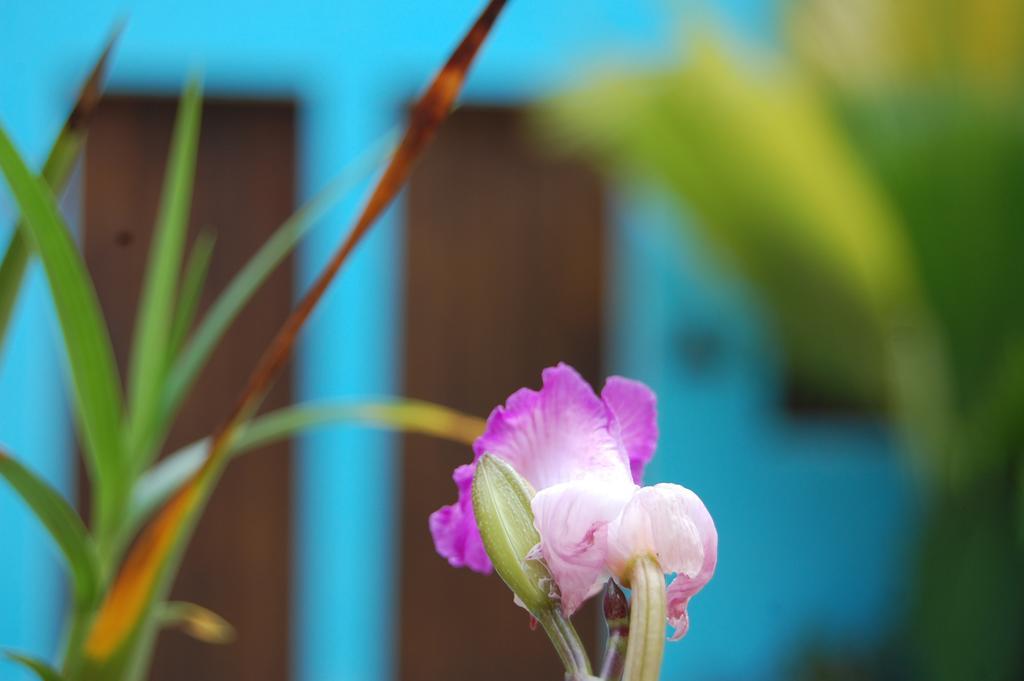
x,y
239,561
504,276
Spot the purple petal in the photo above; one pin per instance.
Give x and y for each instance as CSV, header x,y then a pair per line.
x,y
634,407
454,529
558,434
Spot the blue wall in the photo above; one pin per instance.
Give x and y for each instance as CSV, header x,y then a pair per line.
x,y
813,515
809,516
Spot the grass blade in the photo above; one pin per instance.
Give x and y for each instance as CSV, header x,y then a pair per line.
x,y
12,270
162,480
148,570
56,171
155,315
44,671
250,278
410,416
61,521
95,382
430,111
191,289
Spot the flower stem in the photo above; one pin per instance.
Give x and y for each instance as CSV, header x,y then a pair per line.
x,y
646,621
567,644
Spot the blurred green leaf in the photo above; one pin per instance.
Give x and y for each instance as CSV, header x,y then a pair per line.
x,y
56,170
881,48
155,312
191,289
156,485
61,521
776,189
233,299
411,416
44,671
968,607
12,269
934,107
94,375
953,167
198,622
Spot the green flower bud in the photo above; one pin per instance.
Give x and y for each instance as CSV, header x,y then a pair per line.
x,y
501,502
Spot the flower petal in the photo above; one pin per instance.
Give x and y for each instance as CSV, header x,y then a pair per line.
x,y
572,519
684,586
456,536
656,522
635,411
558,434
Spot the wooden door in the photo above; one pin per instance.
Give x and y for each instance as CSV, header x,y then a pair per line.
x,y
238,563
504,276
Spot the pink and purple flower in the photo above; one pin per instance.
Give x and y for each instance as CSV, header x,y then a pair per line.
x,y
585,456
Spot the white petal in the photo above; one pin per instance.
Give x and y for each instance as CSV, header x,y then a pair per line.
x,y
572,519
683,587
657,522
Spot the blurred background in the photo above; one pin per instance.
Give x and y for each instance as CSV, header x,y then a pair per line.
x,y
800,222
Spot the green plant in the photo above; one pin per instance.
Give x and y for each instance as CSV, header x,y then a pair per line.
x,y
120,576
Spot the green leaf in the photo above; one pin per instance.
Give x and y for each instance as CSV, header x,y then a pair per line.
x,y
777,190
56,170
155,486
12,270
44,671
61,522
191,289
412,416
969,539
95,382
198,622
155,313
222,313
